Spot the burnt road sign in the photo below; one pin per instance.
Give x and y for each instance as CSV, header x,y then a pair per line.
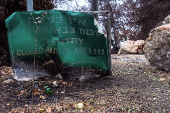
x,y
71,37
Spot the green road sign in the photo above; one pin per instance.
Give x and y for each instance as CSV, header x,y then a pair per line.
x,y
70,39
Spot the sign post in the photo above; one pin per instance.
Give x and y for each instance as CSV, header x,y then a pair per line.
x,y
108,32
109,39
29,5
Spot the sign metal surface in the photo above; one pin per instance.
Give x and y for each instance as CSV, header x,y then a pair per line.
x,y
69,40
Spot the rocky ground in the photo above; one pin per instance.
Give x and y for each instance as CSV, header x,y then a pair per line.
x,y
134,87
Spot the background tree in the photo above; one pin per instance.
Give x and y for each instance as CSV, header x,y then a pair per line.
x,y
72,5
111,6
133,19
149,14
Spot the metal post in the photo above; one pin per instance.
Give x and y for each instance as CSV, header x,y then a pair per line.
x,y
108,33
29,5
94,7
95,12
109,39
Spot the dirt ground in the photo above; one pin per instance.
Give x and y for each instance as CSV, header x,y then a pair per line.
x,y
134,87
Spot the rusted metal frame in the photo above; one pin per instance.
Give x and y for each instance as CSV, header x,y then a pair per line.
x,y
30,8
108,32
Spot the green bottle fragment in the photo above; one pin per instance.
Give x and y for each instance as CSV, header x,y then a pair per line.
x,y
47,90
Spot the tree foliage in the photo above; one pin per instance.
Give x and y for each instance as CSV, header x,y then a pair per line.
x,y
133,19
150,13
72,5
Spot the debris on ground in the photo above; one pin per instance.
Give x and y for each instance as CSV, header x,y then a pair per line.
x,y
134,87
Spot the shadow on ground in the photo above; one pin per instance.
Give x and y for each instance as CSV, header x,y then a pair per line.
x,y
134,87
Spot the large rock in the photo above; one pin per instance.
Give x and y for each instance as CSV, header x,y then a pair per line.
x,y
157,47
132,47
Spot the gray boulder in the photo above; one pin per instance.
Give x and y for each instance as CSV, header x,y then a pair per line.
x,y
157,46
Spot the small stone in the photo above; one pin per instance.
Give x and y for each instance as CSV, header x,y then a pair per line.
x,y
8,81
66,98
154,98
59,76
42,97
55,83
22,91
26,105
79,105
2,72
163,79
